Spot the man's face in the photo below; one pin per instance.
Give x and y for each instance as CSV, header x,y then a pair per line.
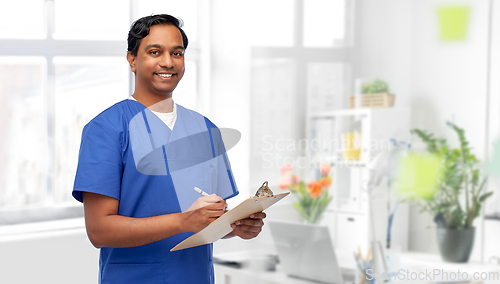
x,y
159,64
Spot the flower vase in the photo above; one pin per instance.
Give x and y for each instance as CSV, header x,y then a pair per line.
x,y
311,199
309,215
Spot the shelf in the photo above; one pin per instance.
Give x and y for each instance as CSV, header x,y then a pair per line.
x,y
349,210
348,164
339,163
356,112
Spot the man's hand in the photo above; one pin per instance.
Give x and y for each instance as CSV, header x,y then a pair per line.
x,y
204,201
197,219
250,227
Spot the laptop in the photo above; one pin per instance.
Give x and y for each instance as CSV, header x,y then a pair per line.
x,y
306,251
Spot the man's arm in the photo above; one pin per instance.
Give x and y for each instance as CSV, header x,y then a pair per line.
x,y
106,228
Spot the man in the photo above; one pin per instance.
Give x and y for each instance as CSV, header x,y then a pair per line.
x,y
139,163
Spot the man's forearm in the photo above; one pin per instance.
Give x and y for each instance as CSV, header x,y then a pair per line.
x,y
106,228
120,231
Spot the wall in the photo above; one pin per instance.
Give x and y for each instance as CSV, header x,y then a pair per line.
x,y
449,82
384,44
440,81
492,227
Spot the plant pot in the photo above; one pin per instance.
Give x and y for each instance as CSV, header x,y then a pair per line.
x,y
455,245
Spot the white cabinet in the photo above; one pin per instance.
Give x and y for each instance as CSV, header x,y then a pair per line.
x,y
351,230
348,214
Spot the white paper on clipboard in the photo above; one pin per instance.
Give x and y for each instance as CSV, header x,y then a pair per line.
x,y
222,226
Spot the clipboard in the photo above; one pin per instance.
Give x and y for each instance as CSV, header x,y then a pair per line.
x,y
222,225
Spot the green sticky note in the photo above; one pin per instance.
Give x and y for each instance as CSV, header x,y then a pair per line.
x,y
453,22
419,175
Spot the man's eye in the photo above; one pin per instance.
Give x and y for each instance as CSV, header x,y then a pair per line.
x,y
178,54
154,52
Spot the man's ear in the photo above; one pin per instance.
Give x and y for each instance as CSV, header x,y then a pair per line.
x,y
131,60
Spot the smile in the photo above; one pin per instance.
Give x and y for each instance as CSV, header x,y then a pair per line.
x,y
164,75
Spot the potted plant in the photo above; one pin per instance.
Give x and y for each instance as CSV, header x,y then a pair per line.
x,y
375,94
459,195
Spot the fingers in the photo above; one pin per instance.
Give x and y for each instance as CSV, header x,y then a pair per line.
x,y
221,205
247,228
254,219
213,198
250,227
248,223
205,214
259,215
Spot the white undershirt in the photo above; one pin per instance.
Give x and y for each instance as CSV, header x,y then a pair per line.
x,y
168,118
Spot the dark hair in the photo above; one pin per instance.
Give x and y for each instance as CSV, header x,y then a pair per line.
x,y
140,29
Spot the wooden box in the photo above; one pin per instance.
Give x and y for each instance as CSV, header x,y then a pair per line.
x,y
373,100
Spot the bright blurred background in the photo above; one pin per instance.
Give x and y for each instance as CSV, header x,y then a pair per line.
x,y
263,67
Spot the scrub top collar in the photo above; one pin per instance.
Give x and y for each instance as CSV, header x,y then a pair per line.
x,y
169,118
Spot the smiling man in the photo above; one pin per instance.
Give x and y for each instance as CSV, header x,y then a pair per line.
x,y
158,64
139,163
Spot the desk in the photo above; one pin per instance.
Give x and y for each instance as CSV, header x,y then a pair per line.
x,y
228,275
411,263
250,275
414,262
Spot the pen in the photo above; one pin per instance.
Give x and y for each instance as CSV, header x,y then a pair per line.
x,y
204,194
201,191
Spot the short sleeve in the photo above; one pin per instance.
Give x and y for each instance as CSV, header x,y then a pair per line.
x,y
99,162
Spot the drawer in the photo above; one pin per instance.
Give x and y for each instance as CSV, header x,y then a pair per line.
x,y
351,232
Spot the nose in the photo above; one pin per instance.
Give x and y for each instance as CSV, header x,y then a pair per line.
x,y
166,61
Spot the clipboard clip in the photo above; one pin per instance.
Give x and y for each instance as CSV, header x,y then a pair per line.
x,y
264,190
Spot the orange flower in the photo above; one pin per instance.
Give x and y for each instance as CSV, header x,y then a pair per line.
x,y
325,182
295,179
325,168
314,188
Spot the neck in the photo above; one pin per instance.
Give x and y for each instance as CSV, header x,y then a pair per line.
x,y
158,104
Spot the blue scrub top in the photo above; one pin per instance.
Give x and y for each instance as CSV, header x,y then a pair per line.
x,y
129,154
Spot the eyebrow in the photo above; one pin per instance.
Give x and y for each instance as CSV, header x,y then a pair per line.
x,y
155,45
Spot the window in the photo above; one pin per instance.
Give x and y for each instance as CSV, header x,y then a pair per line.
x,y
59,70
83,87
324,23
303,64
23,112
32,25
187,10
275,24
72,21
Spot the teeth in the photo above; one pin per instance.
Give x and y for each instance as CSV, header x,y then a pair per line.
x,y
165,75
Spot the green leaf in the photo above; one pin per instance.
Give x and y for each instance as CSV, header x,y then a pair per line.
x,y
376,86
483,197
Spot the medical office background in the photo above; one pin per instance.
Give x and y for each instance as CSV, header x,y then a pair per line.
x,y
257,66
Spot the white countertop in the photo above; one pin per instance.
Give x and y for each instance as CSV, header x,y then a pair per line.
x,y
416,268
41,229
